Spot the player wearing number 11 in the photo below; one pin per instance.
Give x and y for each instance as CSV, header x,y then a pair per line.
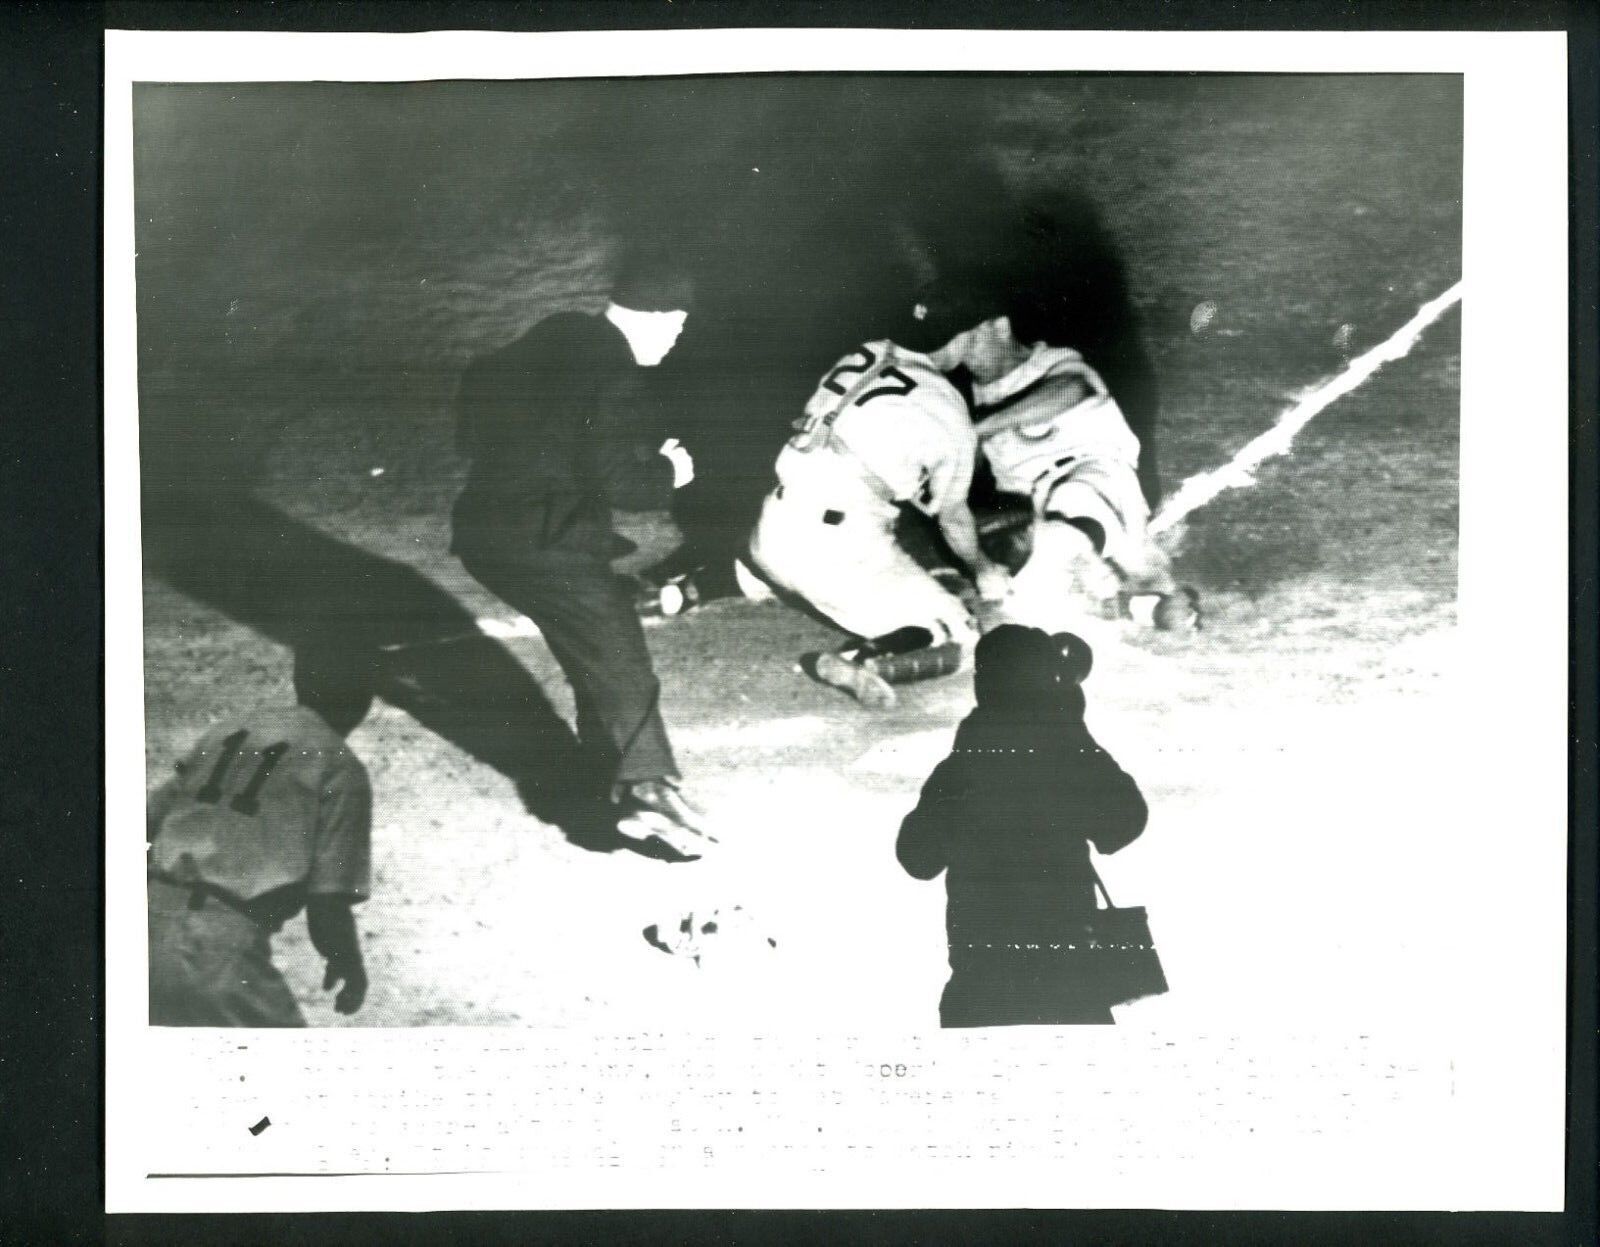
x,y
269,814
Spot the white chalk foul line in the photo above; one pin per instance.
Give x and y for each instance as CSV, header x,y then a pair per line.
x,y
1239,472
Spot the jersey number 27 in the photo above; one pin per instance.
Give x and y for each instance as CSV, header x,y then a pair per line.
x,y
869,370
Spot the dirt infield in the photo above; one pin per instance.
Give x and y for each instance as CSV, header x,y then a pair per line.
x,y
307,290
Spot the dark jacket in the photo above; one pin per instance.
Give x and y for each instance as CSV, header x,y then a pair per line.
x,y
1011,814
554,427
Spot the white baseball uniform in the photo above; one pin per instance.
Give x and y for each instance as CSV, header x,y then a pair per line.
x,y
884,427
1051,432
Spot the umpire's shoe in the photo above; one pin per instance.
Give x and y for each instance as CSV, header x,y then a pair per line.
x,y
654,808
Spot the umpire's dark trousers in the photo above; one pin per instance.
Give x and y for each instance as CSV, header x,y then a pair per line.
x,y
586,614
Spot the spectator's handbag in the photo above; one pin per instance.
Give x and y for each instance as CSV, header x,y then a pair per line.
x,y
1121,956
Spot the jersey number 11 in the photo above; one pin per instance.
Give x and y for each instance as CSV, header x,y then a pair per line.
x,y
248,799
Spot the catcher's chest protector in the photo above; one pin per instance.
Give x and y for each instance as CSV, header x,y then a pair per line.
x,y
1050,411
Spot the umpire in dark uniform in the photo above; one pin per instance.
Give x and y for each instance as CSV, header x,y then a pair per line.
x,y
561,456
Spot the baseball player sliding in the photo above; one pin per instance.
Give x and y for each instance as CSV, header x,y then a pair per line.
x,y
883,428
1053,434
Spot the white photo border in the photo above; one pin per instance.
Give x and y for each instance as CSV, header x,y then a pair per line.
x,y
1501,1144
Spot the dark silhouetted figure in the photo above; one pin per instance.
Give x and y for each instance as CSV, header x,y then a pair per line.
x,y
1010,816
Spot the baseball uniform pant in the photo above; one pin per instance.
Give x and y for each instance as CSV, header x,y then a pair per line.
x,y
212,966
1107,494
587,617
849,567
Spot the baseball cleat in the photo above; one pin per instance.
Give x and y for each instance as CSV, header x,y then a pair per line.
x,y
865,685
647,825
655,809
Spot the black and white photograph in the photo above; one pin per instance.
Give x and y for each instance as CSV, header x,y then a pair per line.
x,y
938,552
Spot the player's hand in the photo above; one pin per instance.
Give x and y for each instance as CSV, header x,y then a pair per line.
x,y
959,625
354,977
994,582
681,461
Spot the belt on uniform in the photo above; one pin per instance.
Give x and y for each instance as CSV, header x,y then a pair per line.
x,y
829,516
201,892
1052,469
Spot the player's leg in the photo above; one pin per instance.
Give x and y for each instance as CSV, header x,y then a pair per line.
x,y
211,966
1121,568
907,626
1064,578
1108,494
588,619
251,991
869,668
851,570
1150,593
783,546
172,993
586,614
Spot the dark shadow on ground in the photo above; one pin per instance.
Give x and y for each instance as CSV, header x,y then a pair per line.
x,y
301,587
